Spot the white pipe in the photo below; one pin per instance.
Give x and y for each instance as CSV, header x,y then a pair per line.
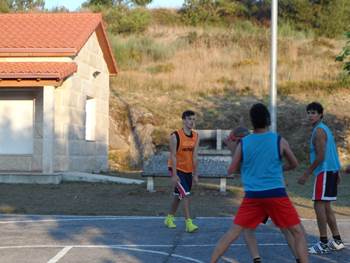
x,y
273,65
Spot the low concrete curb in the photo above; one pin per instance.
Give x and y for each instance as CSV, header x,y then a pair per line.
x,y
97,178
38,178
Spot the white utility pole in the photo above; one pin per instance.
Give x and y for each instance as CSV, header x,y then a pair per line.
x,y
273,65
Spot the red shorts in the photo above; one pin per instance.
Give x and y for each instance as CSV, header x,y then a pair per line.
x,y
326,186
254,210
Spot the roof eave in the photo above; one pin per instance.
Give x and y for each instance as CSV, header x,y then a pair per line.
x,y
37,52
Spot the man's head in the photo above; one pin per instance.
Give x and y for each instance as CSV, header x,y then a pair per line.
x,y
260,116
314,112
188,119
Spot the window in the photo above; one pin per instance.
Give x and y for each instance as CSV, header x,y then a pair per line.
x,y
90,119
16,126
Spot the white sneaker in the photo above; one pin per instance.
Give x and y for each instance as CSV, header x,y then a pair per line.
x,y
335,245
319,248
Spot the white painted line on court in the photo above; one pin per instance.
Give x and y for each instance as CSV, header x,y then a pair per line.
x,y
60,255
340,221
136,246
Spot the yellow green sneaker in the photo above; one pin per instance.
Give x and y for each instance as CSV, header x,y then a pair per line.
x,y
169,221
190,227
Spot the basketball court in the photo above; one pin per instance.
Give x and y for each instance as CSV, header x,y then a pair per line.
x,y
107,239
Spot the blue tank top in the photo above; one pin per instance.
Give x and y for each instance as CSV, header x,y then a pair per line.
x,y
261,167
331,160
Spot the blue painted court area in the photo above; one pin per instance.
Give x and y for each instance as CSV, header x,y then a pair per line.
x,y
107,239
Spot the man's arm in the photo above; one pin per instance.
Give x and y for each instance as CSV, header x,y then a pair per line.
x,y
172,147
236,160
195,160
286,151
320,146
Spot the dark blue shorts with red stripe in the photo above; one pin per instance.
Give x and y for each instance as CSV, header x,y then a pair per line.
x,y
183,187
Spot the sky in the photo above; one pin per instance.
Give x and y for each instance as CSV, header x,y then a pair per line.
x,y
75,4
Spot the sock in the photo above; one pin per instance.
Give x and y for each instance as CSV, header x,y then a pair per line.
x,y
324,240
337,238
257,260
297,260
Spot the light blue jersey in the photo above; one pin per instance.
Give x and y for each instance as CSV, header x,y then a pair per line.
x,y
331,160
261,167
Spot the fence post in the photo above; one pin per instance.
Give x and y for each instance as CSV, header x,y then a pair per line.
x,y
150,184
218,139
222,185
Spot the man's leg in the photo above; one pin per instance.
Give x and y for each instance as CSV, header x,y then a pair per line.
x,y
298,234
174,205
186,207
320,210
331,220
250,239
290,240
190,227
169,220
336,243
231,235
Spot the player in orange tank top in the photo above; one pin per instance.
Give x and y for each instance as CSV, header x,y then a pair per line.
x,y
183,168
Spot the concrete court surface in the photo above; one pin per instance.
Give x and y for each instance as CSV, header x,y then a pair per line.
x,y
107,239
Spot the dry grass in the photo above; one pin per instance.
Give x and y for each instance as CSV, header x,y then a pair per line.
x,y
220,72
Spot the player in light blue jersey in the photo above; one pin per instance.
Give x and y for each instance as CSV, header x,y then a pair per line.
x,y
325,165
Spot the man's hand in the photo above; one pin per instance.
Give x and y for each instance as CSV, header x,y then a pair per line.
x,y
302,180
175,179
195,179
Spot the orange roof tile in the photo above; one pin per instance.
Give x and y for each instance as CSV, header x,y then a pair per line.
x,y
36,70
51,34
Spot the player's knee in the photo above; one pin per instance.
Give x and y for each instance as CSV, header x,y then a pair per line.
x,y
297,231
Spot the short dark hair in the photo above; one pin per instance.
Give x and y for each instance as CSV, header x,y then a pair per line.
x,y
316,106
188,113
260,116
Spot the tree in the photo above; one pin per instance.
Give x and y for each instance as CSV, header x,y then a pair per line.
x,y
141,2
27,5
344,56
4,6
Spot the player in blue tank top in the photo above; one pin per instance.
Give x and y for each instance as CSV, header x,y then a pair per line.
x,y
259,156
325,165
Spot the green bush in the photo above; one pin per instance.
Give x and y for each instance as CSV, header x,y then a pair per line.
x,y
121,19
344,56
131,51
166,17
211,12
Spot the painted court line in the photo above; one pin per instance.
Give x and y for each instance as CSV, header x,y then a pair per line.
x,y
135,246
60,255
60,218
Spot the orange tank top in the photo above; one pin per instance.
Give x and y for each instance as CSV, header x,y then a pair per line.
x,y
185,149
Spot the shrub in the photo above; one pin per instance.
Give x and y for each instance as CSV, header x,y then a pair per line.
x,y
121,19
130,52
166,17
344,56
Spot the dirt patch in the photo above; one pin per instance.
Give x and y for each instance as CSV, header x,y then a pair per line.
x,y
128,200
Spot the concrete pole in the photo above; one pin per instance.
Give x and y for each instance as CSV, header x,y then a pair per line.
x,y
273,65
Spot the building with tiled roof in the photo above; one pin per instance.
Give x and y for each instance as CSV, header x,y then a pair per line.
x,y
54,92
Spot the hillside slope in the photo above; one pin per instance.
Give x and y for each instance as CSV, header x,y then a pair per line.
x,y
220,73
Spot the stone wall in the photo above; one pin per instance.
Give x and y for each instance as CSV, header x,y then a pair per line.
x,y
73,152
